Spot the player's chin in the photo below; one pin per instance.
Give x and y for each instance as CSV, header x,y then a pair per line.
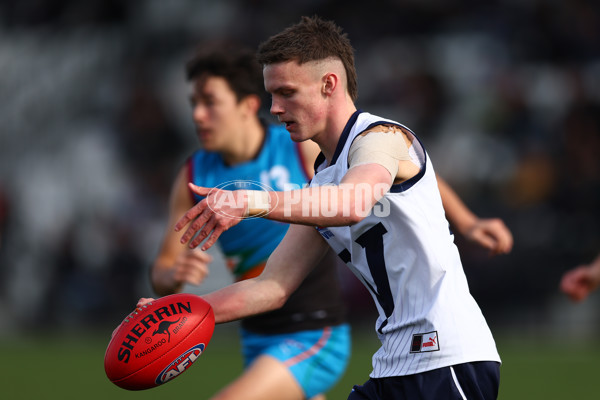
x,y
208,145
297,138
296,135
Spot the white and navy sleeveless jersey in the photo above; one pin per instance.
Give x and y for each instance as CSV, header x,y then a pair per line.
x,y
404,253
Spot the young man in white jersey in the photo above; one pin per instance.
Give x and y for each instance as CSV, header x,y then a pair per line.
x,y
375,201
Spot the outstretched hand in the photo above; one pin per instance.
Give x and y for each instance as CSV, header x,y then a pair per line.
x,y
491,234
209,218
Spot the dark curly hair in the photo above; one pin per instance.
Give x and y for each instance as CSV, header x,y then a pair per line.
x,y
232,62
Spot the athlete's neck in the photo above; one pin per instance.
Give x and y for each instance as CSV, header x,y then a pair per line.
x,y
247,146
329,138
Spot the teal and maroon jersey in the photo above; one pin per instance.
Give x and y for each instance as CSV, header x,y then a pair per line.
x,y
277,166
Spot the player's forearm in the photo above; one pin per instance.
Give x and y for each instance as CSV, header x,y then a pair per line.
x,y
336,205
244,299
326,205
296,255
457,213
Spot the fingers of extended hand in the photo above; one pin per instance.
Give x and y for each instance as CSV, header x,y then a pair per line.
x,y
201,256
212,239
195,226
201,228
502,235
493,235
484,240
191,267
192,274
212,216
199,190
190,215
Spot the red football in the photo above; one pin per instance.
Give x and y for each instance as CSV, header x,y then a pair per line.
x,y
159,341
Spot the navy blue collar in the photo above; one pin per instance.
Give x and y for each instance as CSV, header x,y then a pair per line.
x,y
341,141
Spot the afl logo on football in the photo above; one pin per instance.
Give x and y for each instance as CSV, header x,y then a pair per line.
x,y
180,364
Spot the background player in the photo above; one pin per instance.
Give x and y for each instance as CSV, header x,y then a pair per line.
x,y
302,349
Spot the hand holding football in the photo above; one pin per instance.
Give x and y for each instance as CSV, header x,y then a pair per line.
x,y
159,341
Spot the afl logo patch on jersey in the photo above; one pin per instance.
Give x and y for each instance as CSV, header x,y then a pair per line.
x,y
422,342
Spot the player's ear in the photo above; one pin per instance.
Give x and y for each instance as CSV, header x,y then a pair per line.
x,y
251,103
330,82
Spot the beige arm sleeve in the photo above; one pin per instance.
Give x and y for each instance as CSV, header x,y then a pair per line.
x,y
383,145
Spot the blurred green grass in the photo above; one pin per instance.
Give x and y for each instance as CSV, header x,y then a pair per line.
x,y
71,367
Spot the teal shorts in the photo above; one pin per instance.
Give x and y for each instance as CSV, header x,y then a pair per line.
x,y
316,358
